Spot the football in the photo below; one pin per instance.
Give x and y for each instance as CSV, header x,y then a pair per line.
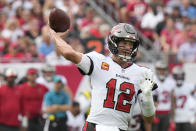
x,y
59,21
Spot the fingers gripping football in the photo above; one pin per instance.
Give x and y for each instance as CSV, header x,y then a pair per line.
x,y
147,82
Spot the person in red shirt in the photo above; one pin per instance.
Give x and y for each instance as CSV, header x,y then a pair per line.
x,y
136,9
10,103
13,53
32,97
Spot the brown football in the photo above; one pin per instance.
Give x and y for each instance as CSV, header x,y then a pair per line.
x,y
59,21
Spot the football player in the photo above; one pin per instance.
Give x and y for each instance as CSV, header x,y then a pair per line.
x,y
182,92
164,95
116,81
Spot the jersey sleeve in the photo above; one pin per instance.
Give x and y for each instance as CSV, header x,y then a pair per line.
x,y
86,66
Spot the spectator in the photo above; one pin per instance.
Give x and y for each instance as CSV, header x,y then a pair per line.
x,y
136,9
68,6
193,27
176,13
48,5
54,58
185,20
12,30
32,97
34,28
104,30
10,103
37,11
25,19
56,103
13,53
3,19
23,43
161,25
76,118
187,51
85,33
33,54
19,13
80,14
187,8
177,18
151,18
180,38
167,35
97,22
89,17
46,46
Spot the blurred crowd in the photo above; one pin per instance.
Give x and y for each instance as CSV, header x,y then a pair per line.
x,y
24,35
169,24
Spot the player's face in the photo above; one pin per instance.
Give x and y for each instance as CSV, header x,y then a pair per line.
x,y
48,75
11,81
32,77
162,73
179,80
76,110
125,48
58,85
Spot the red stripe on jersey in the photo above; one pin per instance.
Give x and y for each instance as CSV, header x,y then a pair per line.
x,y
85,126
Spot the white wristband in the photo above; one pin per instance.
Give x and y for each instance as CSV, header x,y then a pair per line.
x,y
147,105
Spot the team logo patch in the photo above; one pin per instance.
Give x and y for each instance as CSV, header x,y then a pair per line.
x,y
105,66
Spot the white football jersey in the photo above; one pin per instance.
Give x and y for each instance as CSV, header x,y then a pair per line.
x,y
182,95
114,91
75,123
164,94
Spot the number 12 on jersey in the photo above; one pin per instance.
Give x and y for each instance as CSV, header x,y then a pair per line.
x,y
109,101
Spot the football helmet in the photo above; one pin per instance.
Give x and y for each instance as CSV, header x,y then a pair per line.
x,y
178,75
161,70
123,32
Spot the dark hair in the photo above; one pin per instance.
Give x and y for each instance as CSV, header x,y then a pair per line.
x,y
75,104
154,8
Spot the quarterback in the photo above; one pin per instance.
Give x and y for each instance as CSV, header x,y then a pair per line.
x,y
116,81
